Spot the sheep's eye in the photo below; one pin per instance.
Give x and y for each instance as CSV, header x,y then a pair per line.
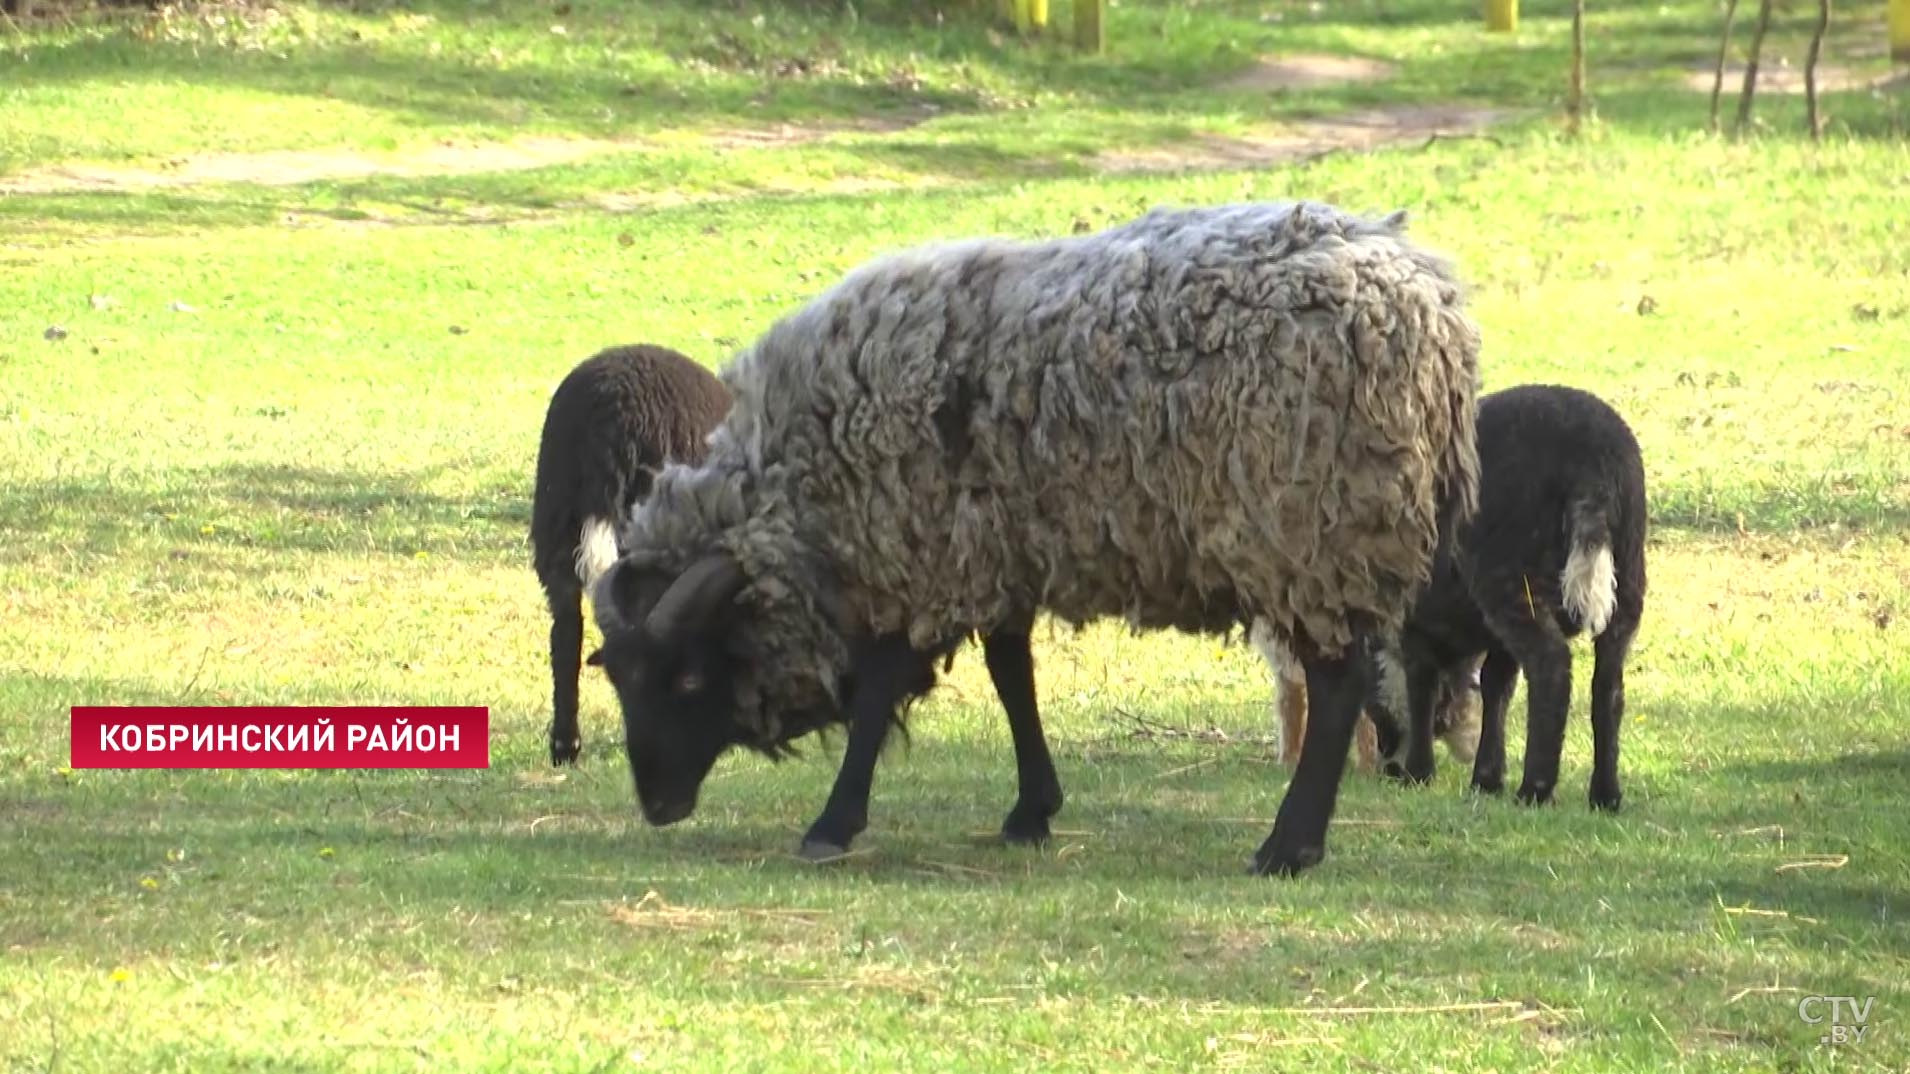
x,y
689,682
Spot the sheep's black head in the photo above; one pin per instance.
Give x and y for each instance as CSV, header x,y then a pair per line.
x,y
681,651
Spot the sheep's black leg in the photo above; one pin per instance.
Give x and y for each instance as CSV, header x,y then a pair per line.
x,y
1546,660
1496,679
1608,711
883,672
1422,680
1335,688
566,648
1011,664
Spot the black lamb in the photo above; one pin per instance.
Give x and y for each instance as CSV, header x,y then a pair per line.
x,y
1557,548
612,424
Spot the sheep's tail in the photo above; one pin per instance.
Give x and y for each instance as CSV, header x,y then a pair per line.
x,y
596,549
1589,583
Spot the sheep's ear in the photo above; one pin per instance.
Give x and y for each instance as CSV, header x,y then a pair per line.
x,y
698,591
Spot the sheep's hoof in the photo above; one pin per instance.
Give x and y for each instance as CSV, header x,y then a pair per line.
x,y
818,851
1530,794
1492,785
1285,861
1403,772
1607,799
563,753
1027,822
1023,831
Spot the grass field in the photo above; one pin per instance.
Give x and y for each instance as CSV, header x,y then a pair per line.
x,y
283,293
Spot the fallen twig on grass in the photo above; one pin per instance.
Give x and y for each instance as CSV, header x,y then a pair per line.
x,y
1267,1040
1762,990
1434,1008
1458,136
1752,911
1170,773
1147,728
652,910
953,867
1817,861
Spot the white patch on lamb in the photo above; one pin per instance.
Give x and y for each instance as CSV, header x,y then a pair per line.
x,y
1590,586
596,549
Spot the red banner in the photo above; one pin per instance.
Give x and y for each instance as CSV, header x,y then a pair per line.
x,y
351,736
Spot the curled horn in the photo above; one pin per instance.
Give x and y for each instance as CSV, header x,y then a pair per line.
x,y
709,580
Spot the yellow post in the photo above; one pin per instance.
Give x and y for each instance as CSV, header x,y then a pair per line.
x,y
1031,15
1900,30
1502,16
1090,25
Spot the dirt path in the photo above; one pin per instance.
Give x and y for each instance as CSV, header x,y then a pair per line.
x,y
1366,129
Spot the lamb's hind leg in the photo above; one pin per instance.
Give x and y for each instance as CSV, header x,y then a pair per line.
x,y
1608,711
1336,688
1496,678
566,647
1546,659
1011,665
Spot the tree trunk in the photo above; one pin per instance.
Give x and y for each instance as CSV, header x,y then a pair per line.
x,y
1575,97
1724,48
1750,66
1810,70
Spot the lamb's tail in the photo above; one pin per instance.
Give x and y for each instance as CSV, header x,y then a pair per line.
x,y
1589,583
596,549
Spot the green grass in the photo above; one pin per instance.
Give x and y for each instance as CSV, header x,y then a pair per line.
x,y
285,457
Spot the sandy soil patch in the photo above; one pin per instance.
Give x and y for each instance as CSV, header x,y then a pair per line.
x,y
1307,71
292,167
1363,129
1788,78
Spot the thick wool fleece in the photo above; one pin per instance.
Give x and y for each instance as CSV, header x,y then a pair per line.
x,y
1190,420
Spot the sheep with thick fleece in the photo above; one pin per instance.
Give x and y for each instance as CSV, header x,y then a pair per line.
x,y
1191,420
613,421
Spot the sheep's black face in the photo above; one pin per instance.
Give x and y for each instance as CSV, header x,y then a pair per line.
x,y
665,653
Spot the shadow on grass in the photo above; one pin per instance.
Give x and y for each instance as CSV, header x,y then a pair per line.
x,y
429,89
271,508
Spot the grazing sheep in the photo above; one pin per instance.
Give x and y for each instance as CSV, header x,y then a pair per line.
x,y
1192,420
613,422
1455,708
1557,548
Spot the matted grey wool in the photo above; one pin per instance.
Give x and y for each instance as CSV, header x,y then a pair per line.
x,y
1191,420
